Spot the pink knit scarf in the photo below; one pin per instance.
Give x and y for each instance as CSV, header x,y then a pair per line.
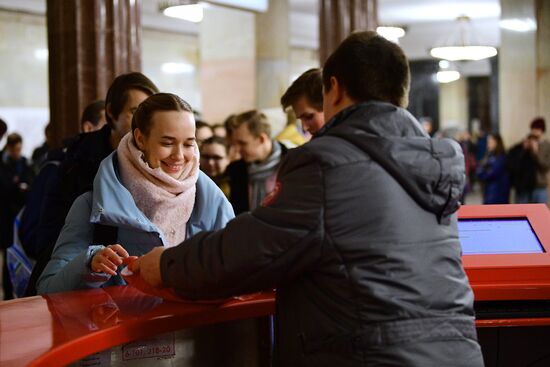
x,y
166,201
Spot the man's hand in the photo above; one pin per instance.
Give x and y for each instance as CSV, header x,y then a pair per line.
x,y
148,267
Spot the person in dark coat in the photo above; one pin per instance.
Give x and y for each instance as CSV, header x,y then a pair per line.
x,y
253,176
15,180
528,165
359,236
82,161
493,172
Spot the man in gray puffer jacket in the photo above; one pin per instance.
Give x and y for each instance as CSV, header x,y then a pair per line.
x,y
359,236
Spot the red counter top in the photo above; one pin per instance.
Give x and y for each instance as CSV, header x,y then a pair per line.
x,y
61,328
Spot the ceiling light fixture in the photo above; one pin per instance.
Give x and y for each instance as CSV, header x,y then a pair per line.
x,y
462,49
448,72
391,33
189,10
447,76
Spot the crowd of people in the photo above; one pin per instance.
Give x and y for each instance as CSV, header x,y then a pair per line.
x,y
214,210
518,175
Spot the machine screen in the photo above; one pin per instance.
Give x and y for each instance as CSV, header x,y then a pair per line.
x,y
497,236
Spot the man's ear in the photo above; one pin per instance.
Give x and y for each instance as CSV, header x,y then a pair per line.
x,y
337,90
87,127
139,138
263,137
109,112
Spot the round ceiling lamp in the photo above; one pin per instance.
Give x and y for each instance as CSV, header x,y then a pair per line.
x,y
189,10
462,49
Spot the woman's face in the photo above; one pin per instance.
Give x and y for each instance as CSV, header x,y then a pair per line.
x,y
491,143
214,159
170,143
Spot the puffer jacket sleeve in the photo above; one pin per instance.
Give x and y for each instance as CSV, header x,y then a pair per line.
x,y
260,250
68,268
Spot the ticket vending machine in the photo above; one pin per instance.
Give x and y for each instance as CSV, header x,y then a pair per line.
x,y
506,254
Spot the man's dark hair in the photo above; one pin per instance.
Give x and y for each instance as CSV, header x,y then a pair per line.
x,y
92,112
369,67
143,117
309,85
117,95
539,123
255,121
13,139
3,128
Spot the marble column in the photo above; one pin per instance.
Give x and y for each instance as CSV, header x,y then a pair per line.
x,y
542,8
524,69
453,105
517,73
90,42
227,41
338,18
272,54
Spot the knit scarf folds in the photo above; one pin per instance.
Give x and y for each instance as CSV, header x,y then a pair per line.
x,y
259,173
166,201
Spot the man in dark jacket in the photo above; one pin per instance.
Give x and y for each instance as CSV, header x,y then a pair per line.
x,y
78,169
254,175
359,236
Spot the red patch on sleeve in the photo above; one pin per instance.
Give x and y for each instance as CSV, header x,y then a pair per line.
x,y
273,195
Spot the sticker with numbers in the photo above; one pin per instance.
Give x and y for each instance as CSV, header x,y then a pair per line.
x,y
161,346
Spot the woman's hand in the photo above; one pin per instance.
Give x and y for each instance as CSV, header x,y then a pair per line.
x,y
108,259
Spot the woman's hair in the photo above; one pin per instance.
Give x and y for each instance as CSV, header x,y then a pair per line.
x,y
216,140
143,116
499,148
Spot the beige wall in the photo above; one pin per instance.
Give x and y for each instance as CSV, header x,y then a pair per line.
x,y
23,75
171,61
453,105
228,63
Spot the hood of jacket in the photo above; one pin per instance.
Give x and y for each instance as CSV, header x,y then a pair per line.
x,y
113,204
431,170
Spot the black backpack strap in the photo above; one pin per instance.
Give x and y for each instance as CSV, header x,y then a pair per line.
x,y
105,235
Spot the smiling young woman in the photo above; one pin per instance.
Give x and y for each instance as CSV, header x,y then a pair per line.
x,y
150,189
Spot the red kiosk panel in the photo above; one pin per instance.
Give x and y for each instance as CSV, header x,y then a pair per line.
x,y
507,268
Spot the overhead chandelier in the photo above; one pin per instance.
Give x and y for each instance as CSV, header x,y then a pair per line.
x,y
447,73
189,10
462,48
391,33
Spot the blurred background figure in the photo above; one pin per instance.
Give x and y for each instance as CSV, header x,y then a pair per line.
x,y
93,117
427,125
15,180
255,174
3,128
214,160
219,130
230,126
529,163
468,148
203,132
492,172
40,154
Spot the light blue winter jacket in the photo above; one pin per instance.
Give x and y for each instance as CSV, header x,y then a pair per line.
x,y
111,204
